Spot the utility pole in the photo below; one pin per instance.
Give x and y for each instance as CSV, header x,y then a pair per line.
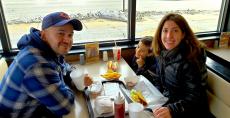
x,y
123,5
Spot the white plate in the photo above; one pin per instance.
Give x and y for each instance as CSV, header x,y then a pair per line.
x,y
131,80
96,87
151,94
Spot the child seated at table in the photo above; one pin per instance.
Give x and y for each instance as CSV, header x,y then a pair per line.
x,y
144,63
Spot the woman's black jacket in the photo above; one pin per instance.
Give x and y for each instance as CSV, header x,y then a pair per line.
x,y
183,82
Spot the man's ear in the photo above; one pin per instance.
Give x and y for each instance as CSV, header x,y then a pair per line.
x,y
43,35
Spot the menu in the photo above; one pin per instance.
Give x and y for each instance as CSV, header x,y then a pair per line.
x,y
92,52
224,39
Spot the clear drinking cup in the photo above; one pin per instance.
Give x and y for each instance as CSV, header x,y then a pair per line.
x,y
117,53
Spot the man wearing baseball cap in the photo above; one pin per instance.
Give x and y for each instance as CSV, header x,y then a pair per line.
x,y
34,80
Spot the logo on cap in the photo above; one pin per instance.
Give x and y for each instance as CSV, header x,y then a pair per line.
x,y
64,15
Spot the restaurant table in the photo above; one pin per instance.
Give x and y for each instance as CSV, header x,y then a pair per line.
x,y
94,70
223,53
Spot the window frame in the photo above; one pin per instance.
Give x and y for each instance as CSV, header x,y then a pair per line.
x,y
5,40
223,25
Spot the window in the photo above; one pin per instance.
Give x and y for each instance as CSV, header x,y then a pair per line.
x,y
0,47
202,15
102,19
105,20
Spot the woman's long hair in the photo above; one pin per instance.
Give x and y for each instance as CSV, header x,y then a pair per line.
x,y
191,43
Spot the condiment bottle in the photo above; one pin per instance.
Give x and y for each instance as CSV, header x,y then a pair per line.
x,y
82,59
105,56
119,106
119,55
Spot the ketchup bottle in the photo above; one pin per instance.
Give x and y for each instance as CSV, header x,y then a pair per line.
x,y
119,106
119,55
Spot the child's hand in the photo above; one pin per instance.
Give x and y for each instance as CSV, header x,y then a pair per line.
x,y
87,80
140,62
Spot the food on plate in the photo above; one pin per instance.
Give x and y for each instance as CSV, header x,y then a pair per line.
x,y
111,75
131,80
95,88
109,71
137,96
112,65
115,66
109,64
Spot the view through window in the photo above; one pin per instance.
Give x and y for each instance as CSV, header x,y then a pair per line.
x,y
202,15
102,19
0,46
107,20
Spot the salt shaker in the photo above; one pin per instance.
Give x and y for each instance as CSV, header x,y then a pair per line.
x,y
82,59
105,56
119,106
216,44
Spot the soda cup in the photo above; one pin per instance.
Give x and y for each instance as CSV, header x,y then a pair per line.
x,y
119,106
117,53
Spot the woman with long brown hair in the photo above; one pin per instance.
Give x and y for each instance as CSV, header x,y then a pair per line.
x,y
182,69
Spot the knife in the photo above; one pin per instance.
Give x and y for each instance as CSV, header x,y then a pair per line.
x,y
125,95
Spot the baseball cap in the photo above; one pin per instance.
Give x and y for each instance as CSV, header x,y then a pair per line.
x,y
59,19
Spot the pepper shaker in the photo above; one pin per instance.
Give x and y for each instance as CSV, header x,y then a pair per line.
x,y
82,59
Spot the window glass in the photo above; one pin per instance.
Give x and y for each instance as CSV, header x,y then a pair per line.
x,y
202,15
102,19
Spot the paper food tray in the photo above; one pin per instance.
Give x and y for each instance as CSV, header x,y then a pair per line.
x,y
151,94
109,89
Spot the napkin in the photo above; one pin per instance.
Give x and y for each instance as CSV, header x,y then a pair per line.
x,y
103,104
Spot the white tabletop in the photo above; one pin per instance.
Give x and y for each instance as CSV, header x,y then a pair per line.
x,y
221,52
95,70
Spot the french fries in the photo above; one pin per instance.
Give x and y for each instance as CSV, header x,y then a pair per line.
x,y
111,75
137,96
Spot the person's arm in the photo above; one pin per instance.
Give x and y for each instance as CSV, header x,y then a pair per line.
x,y
66,75
68,80
152,72
153,76
43,83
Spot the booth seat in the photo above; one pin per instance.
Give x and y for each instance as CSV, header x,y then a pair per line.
x,y
3,67
218,95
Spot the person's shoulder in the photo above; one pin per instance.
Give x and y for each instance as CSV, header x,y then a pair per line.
x,y
151,59
29,56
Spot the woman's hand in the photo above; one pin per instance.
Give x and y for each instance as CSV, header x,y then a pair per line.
x,y
161,112
87,80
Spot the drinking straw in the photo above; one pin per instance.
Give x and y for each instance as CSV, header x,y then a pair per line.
x,y
115,43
